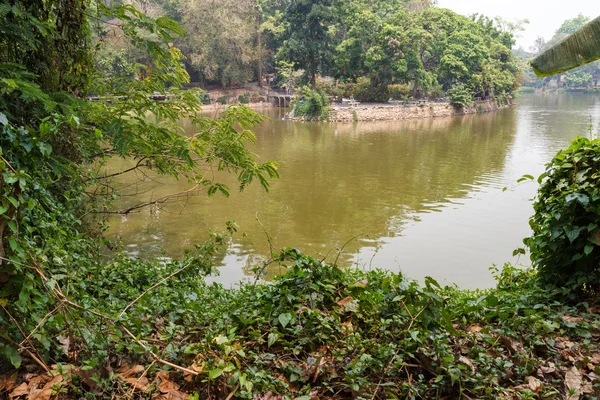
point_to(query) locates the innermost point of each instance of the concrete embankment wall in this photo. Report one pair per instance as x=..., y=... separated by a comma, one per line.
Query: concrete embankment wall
x=386, y=112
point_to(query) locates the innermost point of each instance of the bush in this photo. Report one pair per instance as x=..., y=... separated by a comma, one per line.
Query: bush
x=436, y=91
x=398, y=91
x=363, y=91
x=460, y=95
x=312, y=104
x=204, y=98
x=244, y=98
x=564, y=245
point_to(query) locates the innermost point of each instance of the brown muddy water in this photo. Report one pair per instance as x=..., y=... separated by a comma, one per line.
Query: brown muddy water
x=422, y=196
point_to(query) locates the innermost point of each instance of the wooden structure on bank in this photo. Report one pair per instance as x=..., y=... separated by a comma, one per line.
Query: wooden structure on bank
x=280, y=97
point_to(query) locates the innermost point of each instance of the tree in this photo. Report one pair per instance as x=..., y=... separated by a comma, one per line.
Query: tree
x=220, y=39
x=307, y=37
x=538, y=45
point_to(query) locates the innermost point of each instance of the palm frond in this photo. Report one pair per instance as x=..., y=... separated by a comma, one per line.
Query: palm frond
x=577, y=49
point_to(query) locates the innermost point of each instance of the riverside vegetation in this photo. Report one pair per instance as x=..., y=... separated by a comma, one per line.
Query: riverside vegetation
x=372, y=50
x=77, y=326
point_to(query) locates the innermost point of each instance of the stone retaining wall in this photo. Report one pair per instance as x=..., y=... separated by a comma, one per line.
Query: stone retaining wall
x=401, y=112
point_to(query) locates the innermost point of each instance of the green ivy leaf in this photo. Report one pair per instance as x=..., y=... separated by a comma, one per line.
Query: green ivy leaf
x=581, y=198
x=572, y=234
x=272, y=338
x=215, y=373
x=285, y=319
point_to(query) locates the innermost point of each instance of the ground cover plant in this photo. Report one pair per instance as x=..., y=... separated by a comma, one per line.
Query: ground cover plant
x=316, y=332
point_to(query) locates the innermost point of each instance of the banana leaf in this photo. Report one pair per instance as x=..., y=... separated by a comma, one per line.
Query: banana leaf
x=579, y=48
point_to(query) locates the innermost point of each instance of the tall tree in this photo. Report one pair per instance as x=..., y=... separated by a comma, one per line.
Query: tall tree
x=307, y=36
x=220, y=38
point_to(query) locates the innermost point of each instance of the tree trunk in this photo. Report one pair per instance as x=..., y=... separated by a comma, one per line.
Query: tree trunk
x=259, y=69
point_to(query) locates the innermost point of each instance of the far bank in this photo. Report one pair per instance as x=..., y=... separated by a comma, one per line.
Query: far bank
x=398, y=112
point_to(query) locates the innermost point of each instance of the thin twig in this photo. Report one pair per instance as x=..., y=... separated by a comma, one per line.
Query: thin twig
x=35, y=358
x=161, y=200
x=344, y=246
x=139, y=163
x=271, y=249
x=41, y=323
x=233, y=393
x=130, y=393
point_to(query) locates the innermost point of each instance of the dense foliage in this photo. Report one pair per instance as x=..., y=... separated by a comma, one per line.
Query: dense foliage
x=460, y=95
x=385, y=42
x=312, y=104
x=566, y=231
x=54, y=145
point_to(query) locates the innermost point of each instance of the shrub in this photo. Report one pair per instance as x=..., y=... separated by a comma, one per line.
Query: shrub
x=222, y=100
x=204, y=98
x=399, y=91
x=312, y=104
x=460, y=95
x=364, y=91
x=436, y=91
x=564, y=244
x=244, y=98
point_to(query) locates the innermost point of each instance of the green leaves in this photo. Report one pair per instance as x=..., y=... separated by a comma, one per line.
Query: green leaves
x=583, y=199
x=272, y=338
x=285, y=319
x=565, y=222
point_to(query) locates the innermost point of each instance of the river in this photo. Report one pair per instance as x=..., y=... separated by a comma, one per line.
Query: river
x=425, y=197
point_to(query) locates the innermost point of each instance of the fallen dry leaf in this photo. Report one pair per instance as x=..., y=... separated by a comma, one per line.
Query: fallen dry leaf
x=174, y=395
x=467, y=361
x=347, y=327
x=550, y=369
x=65, y=344
x=573, y=382
x=127, y=371
x=535, y=385
x=166, y=386
x=512, y=345
x=571, y=319
x=587, y=388
x=595, y=358
x=343, y=302
x=49, y=388
x=7, y=383
x=474, y=329
x=138, y=383
x=20, y=390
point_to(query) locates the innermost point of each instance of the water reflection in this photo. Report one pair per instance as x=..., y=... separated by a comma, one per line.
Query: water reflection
x=423, y=196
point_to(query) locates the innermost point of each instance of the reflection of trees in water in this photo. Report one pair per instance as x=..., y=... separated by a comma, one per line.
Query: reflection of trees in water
x=368, y=179
x=342, y=180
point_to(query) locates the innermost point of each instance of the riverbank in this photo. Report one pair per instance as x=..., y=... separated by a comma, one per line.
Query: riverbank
x=217, y=107
x=322, y=332
x=398, y=112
